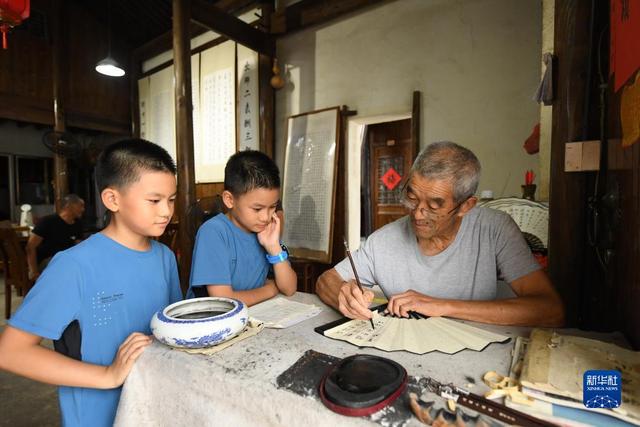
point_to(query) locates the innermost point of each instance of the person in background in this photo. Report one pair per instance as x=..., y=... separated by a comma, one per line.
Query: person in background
x=235, y=252
x=55, y=233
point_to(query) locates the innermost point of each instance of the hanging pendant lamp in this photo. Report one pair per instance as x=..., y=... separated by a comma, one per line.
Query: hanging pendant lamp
x=109, y=66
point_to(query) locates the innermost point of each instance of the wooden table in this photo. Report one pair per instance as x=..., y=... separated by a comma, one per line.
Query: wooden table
x=237, y=386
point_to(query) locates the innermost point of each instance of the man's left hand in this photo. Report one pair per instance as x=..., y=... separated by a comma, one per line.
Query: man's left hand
x=402, y=304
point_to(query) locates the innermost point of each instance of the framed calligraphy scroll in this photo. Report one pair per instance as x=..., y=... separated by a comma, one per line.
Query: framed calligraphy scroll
x=309, y=184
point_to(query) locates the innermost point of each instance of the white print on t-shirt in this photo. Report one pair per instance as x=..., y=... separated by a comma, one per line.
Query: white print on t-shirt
x=103, y=307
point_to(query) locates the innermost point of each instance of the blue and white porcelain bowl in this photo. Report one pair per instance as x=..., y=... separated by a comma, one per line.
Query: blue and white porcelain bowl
x=199, y=322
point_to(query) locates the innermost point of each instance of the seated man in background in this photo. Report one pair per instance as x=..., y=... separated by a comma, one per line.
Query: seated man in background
x=446, y=257
x=55, y=233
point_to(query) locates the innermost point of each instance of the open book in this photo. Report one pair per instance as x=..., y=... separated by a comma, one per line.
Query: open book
x=281, y=313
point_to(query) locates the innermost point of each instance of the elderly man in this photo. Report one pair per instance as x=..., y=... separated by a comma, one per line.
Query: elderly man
x=446, y=257
x=55, y=233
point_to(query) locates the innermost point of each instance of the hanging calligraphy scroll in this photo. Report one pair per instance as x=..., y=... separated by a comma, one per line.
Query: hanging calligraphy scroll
x=248, y=100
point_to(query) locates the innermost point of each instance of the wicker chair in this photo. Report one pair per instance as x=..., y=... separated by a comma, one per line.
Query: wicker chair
x=531, y=217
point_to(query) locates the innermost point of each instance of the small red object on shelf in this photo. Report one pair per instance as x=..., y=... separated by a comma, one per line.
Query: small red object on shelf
x=529, y=176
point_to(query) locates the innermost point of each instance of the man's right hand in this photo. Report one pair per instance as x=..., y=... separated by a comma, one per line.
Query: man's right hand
x=354, y=303
x=127, y=354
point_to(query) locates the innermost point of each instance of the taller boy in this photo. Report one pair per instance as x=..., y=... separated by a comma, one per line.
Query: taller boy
x=101, y=292
x=234, y=252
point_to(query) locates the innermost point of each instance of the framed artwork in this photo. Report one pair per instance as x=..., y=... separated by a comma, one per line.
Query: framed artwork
x=309, y=184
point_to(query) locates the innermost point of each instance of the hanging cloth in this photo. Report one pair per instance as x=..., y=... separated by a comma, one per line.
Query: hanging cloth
x=544, y=94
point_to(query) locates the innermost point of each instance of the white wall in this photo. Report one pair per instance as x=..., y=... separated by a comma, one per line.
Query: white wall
x=476, y=62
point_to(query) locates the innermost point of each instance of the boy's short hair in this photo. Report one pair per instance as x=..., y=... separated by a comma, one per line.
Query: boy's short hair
x=120, y=164
x=248, y=170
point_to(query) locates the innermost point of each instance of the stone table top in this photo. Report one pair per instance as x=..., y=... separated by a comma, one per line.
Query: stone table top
x=237, y=386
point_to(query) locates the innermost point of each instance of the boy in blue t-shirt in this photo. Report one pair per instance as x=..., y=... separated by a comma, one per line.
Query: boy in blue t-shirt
x=234, y=251
x=97, y=298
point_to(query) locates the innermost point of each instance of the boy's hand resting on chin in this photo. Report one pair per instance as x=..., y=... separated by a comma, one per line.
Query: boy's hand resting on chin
x=269, y=238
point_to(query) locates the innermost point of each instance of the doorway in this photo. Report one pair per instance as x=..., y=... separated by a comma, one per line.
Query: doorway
x=387, y=155
x=356, y=141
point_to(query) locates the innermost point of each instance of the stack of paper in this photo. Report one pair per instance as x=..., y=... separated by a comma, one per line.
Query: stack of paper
x=282, y=313
x=552, y=368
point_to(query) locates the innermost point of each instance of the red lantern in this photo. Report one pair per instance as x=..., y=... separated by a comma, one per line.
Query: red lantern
x=12, y=13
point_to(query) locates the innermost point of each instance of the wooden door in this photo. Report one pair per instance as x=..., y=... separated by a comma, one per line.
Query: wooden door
x=391, y=155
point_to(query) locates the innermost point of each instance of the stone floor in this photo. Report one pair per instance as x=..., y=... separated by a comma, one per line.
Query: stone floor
x=24, y=402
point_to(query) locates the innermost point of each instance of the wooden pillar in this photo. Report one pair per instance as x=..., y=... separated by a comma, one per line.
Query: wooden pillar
x=267, y=93
x=415, y=124
x=134, y=75
x=61, y=180
x=340, y=213
x=567, y=191
x=184, y=133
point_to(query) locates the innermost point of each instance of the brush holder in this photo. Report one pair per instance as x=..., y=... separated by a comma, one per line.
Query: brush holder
x=199, y=322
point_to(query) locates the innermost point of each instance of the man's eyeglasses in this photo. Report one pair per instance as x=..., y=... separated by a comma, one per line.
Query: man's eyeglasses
x=428, y=212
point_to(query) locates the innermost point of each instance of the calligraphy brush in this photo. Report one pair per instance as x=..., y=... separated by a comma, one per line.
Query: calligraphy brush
x=355, y=273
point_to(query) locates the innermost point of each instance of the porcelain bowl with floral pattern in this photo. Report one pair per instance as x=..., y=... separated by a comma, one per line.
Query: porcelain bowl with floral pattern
x=199, y=322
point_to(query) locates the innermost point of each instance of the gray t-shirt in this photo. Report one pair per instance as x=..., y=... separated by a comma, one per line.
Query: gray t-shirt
x=488, y=247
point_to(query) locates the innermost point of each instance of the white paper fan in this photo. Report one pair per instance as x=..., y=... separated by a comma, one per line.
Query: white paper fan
x=414, y=335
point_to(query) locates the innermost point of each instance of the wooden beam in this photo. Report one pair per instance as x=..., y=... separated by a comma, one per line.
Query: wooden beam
x=195, y=50
x=184, y=133
x=163, y=43
x=239, y=31
x=234, y=6
x=23, y=109
x=340, y=213
x=313, y=12
x=134, y=96
x=84, y=120
x=415, y=124
x=61, y=180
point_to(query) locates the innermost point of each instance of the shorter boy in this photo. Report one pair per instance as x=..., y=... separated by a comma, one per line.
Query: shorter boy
x=98, y=297
x=235, y=251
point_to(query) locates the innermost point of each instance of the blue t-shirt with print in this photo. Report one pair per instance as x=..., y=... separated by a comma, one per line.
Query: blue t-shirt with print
x=226, y=255
x=111, y=291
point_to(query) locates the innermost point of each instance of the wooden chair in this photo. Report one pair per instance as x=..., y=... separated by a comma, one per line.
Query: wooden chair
x=531, y=217
x=16, y=272
x=203, y=209
x=533, y=220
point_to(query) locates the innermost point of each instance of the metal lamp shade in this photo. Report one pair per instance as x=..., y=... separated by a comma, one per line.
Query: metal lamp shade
x=109, y=67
